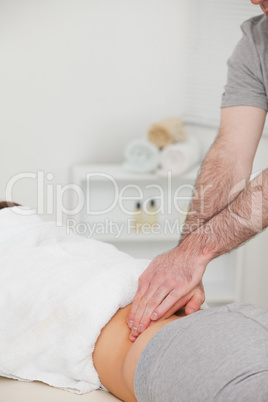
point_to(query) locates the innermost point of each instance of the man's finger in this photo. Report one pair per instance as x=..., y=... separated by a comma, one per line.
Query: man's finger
x=152, y=303
x=137, y=327
x=173, y=297
x=142, y=289
x=195, y=302
x=177, y=306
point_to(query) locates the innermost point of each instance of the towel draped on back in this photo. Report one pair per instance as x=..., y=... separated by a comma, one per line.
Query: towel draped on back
x=57, y=291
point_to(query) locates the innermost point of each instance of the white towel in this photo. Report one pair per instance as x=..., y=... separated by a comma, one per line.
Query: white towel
x=180, y=157
x=57, y=291
x=141, y=156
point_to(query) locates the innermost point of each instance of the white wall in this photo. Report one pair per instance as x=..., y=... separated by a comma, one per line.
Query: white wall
x=256, y=251
x=79, y=79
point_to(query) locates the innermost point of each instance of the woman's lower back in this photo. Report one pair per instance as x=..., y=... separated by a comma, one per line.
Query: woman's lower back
x=115, y=356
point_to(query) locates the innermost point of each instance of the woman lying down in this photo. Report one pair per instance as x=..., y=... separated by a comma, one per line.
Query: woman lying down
x=64, y=301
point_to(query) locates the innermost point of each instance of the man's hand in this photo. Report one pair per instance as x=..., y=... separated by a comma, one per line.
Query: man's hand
x=168, y=284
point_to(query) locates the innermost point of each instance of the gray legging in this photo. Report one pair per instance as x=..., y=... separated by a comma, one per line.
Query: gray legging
x=218, y=354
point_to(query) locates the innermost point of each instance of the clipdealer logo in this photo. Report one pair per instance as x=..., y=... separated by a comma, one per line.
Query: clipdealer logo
x=54, y=198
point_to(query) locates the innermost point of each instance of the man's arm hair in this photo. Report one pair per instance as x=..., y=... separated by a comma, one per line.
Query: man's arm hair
x=226, y=169
x=246, y=216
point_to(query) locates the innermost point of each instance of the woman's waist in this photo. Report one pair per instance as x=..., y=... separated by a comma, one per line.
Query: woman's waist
x=115, y=356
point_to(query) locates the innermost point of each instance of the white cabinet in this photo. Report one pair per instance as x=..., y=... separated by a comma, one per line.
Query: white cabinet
x=109, y=214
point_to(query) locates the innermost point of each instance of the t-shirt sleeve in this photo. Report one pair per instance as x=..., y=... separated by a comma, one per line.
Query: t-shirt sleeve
x=245, y=85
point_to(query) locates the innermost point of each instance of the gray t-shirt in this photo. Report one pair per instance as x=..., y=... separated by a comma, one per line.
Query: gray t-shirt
x=247, y=83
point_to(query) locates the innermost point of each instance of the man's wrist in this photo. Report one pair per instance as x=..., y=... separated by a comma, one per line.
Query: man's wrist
x=194, y=252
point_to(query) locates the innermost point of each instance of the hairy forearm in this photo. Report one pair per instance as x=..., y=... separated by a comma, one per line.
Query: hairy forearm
x=246, y=216
x=220, y=181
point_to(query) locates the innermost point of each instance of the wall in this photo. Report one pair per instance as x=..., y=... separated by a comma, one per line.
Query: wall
x=256, y=251
x=79, y=79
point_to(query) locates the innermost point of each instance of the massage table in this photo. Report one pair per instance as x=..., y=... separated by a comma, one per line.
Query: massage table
x=18, y=391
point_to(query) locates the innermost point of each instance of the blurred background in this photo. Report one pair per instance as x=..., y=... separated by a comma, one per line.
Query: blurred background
x=79, y=79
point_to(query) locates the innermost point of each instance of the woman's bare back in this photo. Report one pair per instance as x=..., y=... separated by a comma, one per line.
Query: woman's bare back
x=115, y=356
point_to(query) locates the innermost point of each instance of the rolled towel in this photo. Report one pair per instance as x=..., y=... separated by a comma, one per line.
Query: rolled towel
x=180, y=157
x=141, y=156
x=167, y=132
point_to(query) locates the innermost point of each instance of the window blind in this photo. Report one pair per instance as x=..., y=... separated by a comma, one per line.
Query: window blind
x=212, y=31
